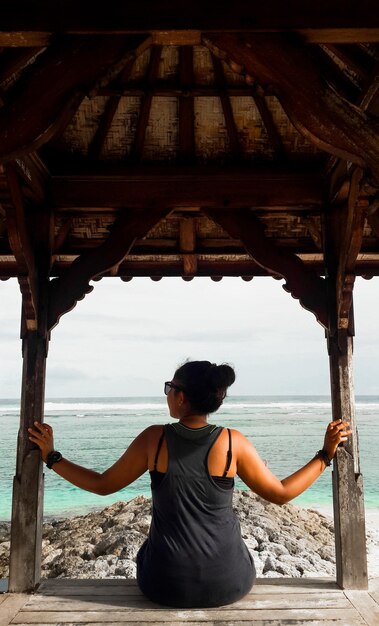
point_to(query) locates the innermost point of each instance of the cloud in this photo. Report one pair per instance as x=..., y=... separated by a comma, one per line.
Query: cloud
x=68, y=374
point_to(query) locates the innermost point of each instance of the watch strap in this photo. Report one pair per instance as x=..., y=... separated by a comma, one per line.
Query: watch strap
x=53, y=457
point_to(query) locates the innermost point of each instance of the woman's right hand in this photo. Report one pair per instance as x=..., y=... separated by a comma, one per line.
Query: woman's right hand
x=42, y=435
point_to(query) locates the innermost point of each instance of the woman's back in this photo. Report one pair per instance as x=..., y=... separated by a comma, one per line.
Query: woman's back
x=194, y=555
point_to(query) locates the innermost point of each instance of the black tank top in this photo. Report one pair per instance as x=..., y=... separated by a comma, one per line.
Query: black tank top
x=194, y=555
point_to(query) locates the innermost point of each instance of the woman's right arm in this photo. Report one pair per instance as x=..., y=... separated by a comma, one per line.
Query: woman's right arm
x=132, y=464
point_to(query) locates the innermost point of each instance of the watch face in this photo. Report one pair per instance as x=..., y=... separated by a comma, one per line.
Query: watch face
x=53, y=457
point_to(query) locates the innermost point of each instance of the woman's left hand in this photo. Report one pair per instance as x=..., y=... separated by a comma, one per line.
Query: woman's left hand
x=42, y=435
x=336, y=433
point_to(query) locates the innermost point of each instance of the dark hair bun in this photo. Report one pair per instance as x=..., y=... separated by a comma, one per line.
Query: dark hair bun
x=221, y=376
x=205, y=384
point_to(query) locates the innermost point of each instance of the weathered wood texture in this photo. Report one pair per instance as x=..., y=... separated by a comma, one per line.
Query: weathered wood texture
x=176, y=187
x=47, y=98
x=27, y=504
x=19, y=239
x=316, y=110
x=280, y=602
x=349, y=516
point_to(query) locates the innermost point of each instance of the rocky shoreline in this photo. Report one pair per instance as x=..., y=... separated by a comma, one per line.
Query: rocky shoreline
x=283, y=540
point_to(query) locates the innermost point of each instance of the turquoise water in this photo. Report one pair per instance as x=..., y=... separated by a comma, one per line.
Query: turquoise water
x=94, y=432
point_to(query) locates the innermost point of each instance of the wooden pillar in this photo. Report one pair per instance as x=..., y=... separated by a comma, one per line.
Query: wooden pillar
x=343, y=232
x=349, y=515
x=27, y=506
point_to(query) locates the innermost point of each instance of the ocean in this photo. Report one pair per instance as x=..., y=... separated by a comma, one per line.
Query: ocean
x=286, y=430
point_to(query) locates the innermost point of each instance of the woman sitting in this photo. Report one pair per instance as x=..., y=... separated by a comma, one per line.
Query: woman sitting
x=194, y=555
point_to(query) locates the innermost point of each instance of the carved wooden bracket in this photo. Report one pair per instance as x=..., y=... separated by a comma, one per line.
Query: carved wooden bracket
x=316, y=110
x=48, y=96
x=64, y=292
x=20, y=243
x=303, y=285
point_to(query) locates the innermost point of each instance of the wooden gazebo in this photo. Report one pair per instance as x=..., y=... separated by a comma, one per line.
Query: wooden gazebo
x=219, y=139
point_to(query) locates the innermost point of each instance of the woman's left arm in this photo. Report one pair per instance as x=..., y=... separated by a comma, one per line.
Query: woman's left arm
x=253, y=471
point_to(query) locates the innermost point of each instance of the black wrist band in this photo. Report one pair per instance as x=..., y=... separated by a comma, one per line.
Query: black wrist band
x=53, y=457
x=321, y=454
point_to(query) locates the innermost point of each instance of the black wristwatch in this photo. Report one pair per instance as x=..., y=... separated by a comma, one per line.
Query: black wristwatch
x=53, y=457
x=323, y=455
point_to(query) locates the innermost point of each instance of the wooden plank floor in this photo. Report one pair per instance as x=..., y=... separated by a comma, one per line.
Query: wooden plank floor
x=272, y=602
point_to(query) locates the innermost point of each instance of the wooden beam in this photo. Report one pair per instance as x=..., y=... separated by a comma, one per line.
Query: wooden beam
x=186, y=152
x=20, y=242
x=74, y=285
x=347, y=35
x=180, y=187
x=272, y=131
x=14, y=60
x=187, y=243
x=85, y=17
x=35, y=177
x=144, y=113
x=303, y=285
x=106, y=120
x=230, y=123
x=316, y=110
x=47, y=98
x=353, y=61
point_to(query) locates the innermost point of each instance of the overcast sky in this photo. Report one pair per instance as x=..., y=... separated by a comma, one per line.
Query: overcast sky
x=126, y=339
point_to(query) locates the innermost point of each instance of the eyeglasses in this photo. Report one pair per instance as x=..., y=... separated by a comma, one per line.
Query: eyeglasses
x=169, y=385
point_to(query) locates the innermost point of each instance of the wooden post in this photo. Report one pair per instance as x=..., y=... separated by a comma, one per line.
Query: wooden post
x=27, y=507
x=349, y=515
x=343, y=233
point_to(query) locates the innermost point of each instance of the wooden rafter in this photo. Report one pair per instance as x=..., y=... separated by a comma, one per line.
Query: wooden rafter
x=14, y=60
x=106, y=120
x=42, y=103
x=217, y=187
x=317, y=111
x=352, y=60
x=230, y=123
x=335, y=76
x=144, y=114
x=272, y=131
x=303, y=285
x=64, y=292
x=186, y=152
x=34, y=175
x=20, y=242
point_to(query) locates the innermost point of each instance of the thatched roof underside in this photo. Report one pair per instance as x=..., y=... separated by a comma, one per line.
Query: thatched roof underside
x=187, y=128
